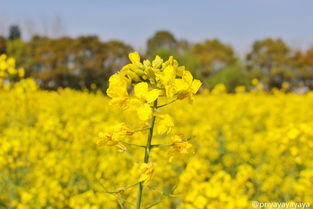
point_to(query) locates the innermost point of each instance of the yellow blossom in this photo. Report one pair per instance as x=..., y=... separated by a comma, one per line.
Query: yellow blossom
x=142, y=92
x=146, y=172
x=144, y=111
x=165, y=123
x=134, y=57
x=187, y=86
x=118, y=89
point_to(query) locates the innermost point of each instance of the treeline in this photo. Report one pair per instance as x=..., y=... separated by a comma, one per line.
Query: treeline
x=67, y=62
x=80, y=62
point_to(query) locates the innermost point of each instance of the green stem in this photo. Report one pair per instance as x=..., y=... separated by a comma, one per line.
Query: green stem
x=147, y=154
x=167, y=103
x=131, y=144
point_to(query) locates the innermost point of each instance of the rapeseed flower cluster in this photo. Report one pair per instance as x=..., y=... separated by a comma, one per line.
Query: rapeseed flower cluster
x=149, y=82
x=8, y=72
x=142, y=86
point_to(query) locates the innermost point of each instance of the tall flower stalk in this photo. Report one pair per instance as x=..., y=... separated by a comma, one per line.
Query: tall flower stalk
x=145, y=87
x=147, y=153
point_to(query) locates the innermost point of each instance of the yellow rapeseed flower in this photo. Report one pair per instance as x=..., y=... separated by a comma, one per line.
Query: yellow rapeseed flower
x=146, y=172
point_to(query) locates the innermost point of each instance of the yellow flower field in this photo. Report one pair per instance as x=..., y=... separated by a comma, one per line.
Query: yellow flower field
x=246, y=147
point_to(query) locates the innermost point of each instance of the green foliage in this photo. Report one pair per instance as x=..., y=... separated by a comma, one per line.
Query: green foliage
x=231, y=77
x=22, y=52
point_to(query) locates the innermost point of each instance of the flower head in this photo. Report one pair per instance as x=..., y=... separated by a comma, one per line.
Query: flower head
x=149, y=81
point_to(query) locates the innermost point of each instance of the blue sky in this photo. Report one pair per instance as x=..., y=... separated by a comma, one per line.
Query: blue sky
x=236, y=22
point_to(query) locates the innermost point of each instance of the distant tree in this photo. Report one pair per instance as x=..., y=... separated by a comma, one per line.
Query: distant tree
x=3, y=45
x=161, y=40
x=97, y=60
x=76, y=63
x=52, y=64
x=116, y=56
x=303, y=63
x=270, y=61
x=14, y=32
x=213, y=56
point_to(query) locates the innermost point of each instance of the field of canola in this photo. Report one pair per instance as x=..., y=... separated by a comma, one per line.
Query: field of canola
x=71, y=149
x=246, y=146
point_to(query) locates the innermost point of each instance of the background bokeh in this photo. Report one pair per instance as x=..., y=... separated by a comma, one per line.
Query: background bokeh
x=250, y=125
x=75, y=44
